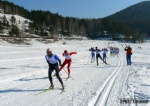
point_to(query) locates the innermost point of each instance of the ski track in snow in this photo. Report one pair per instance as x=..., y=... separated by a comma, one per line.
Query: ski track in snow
x=103, y=92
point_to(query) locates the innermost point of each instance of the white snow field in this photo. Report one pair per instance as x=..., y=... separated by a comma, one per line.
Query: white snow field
x=24, y=75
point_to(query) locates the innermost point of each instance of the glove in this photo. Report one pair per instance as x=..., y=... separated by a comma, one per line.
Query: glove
x=75, y=52
x=60, y=63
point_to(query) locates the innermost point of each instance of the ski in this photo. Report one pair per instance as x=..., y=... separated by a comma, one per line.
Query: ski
x=107, y=64
x=67, y=79
x=46, y=90
x=63, y=90
x=104, y=64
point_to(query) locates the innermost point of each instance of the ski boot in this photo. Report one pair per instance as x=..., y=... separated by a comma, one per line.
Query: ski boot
x=63, y=87
x=51, y=87
x=68, y=76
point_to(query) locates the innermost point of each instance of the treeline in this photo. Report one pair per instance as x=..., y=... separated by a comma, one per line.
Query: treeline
x=11, y=8
x=93, y=28
x=137, y=17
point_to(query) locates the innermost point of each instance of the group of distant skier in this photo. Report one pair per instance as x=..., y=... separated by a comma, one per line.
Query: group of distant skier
x=114, y=51
x=97, y=51
x=53, y=60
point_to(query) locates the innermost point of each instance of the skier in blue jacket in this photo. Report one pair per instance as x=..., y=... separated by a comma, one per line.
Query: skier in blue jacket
x=92, y=54
x=52, y=60
x=104, y=54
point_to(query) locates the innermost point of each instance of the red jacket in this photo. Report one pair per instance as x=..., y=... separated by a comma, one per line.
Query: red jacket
x=68, y=55
x=128, y=50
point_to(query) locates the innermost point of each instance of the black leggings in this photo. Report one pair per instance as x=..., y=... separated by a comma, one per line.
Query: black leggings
x=56, y=68
x=98, y=56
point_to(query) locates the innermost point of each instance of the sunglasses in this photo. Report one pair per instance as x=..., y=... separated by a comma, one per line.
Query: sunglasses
x=48, y=52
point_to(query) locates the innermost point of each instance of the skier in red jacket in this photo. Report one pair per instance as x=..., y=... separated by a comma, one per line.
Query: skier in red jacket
x=68, y=61
x=128, y=50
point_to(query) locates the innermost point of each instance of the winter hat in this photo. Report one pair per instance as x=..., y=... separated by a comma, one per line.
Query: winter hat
x=49, y=50
x=65, y=51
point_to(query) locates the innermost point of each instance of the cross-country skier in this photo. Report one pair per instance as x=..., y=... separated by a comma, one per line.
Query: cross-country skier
x=98, y=55
x=117, y=51
x=111, y=51
x=92, y=54
x=52, y=60
x=68, y=61
x=104, y=54
x=128, y=50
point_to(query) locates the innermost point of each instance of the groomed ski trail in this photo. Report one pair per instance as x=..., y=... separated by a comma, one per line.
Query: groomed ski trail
x=102, y=94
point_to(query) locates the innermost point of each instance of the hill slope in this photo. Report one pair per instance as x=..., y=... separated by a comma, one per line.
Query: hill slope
x=137, y=16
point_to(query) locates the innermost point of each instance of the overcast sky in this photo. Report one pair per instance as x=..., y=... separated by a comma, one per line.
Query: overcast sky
x=78, y=8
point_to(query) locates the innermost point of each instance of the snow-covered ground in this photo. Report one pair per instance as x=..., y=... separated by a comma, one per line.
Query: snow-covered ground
x=24, y=75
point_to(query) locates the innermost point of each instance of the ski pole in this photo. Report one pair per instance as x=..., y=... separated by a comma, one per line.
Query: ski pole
x=126, y=45
x=122, y=46
x=67, y=73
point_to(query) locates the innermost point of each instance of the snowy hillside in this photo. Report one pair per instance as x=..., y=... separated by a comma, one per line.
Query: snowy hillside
x=24, y=76
x=20, y=21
